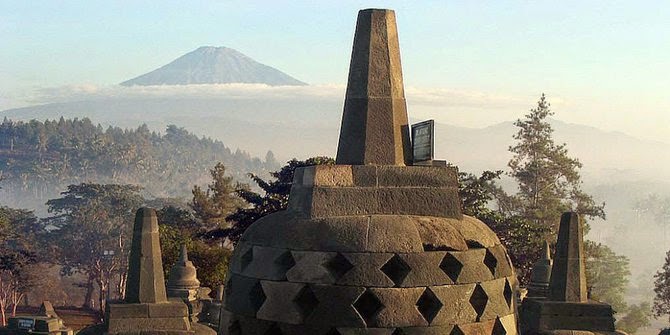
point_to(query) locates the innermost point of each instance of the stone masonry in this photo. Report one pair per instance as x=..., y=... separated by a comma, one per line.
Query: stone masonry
x=371, y=245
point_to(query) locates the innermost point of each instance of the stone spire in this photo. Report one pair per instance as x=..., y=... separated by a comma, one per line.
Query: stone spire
x=568, y=274
x=374, y=124
x=183, y=275
x=146, y=282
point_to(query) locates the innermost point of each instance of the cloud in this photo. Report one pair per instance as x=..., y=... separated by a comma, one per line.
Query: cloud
x=454, y=106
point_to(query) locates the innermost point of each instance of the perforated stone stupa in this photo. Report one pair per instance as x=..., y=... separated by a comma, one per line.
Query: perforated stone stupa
x=371, y=245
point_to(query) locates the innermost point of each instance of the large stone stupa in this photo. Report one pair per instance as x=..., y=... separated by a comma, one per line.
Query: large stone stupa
x=371, y=245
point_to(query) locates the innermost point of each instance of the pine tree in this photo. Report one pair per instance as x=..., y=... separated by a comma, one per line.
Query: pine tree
x=213, y=205
x=662, y=289
x=548, y=178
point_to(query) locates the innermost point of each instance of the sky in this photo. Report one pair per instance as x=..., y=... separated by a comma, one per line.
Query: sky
x=601, y=63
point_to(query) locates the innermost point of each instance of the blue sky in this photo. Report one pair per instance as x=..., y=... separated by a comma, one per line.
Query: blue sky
x=605, y=63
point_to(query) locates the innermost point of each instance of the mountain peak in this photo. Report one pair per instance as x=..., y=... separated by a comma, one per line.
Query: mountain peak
x=214, y=65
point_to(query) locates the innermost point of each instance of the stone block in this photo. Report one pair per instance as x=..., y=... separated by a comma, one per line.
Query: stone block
x=309, y=268
x=269, y=263
x=456, y=307
x=236, y=259
x=280, y=302
x=365, y=331
x=300, y=200
x=478, y=328
x=244, y=295
x=425, y=269
x=441, y=202
x=476, y=233
x=392, y=233
x=503, y=266
x=168, y=310
x=125, y=311
x=497, y=303
x=440, y=234
x=399, y=308
x=147, y=324
x=335, y=307
x=329, y=176
x=433, y=330
x=473, y=270
x=280, y=229
x=332, y=201
x=366, y=270
x=365, y=175
x=417, y=176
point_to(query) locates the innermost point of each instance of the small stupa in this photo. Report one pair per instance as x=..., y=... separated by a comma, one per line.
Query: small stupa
x=540, y=275
x=183, y=278
x=373, y=244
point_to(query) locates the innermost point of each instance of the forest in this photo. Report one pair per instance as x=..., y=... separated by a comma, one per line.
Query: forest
x=39, y=159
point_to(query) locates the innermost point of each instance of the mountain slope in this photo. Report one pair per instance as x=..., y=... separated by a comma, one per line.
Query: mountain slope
x=214, y=65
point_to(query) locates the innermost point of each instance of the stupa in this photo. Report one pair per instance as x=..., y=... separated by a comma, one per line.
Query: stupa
x=183, y=280
x=372, y=244
x=567, y=309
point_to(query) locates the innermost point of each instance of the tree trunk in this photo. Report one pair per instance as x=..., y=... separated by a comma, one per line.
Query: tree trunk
x=3, y=319
x=88, y=299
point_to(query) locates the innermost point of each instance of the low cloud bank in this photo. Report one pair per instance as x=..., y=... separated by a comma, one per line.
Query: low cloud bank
x=459, y=107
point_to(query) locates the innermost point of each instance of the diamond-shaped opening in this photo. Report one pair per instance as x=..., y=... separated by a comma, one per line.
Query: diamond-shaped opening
x=333, y=331
x=508, y=293
x=246, y=259
x=306, y=301
x=498, y=328
x=456, y=331
x=274, y=330
x=490, y=261
x=398, y=331
x=478, y=300
x=285, y=262
x=338, y=266
x=368, y=306
x=396, y=269
x=257, y=296
x=235, y=328
x=451, y=266
x=428, y=305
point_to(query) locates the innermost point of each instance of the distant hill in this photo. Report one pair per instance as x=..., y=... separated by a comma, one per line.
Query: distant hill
x=302, y=128
x=214, y=65
x=39, y=159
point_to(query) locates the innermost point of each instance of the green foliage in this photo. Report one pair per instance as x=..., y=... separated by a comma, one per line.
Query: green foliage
x=607, y=275
x=179, y=226
x=638, y=316
x=275, y=197
x=662, y=289
x=89, y=219
x=213, y=205
x=522, y=238
x=39, y=159
x=548, y=179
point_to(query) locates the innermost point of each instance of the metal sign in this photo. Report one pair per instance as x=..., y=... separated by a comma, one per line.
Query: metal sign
x=26, y=323
x=423, y=140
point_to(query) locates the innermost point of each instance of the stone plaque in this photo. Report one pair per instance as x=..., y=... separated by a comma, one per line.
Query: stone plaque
x=423, y=137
